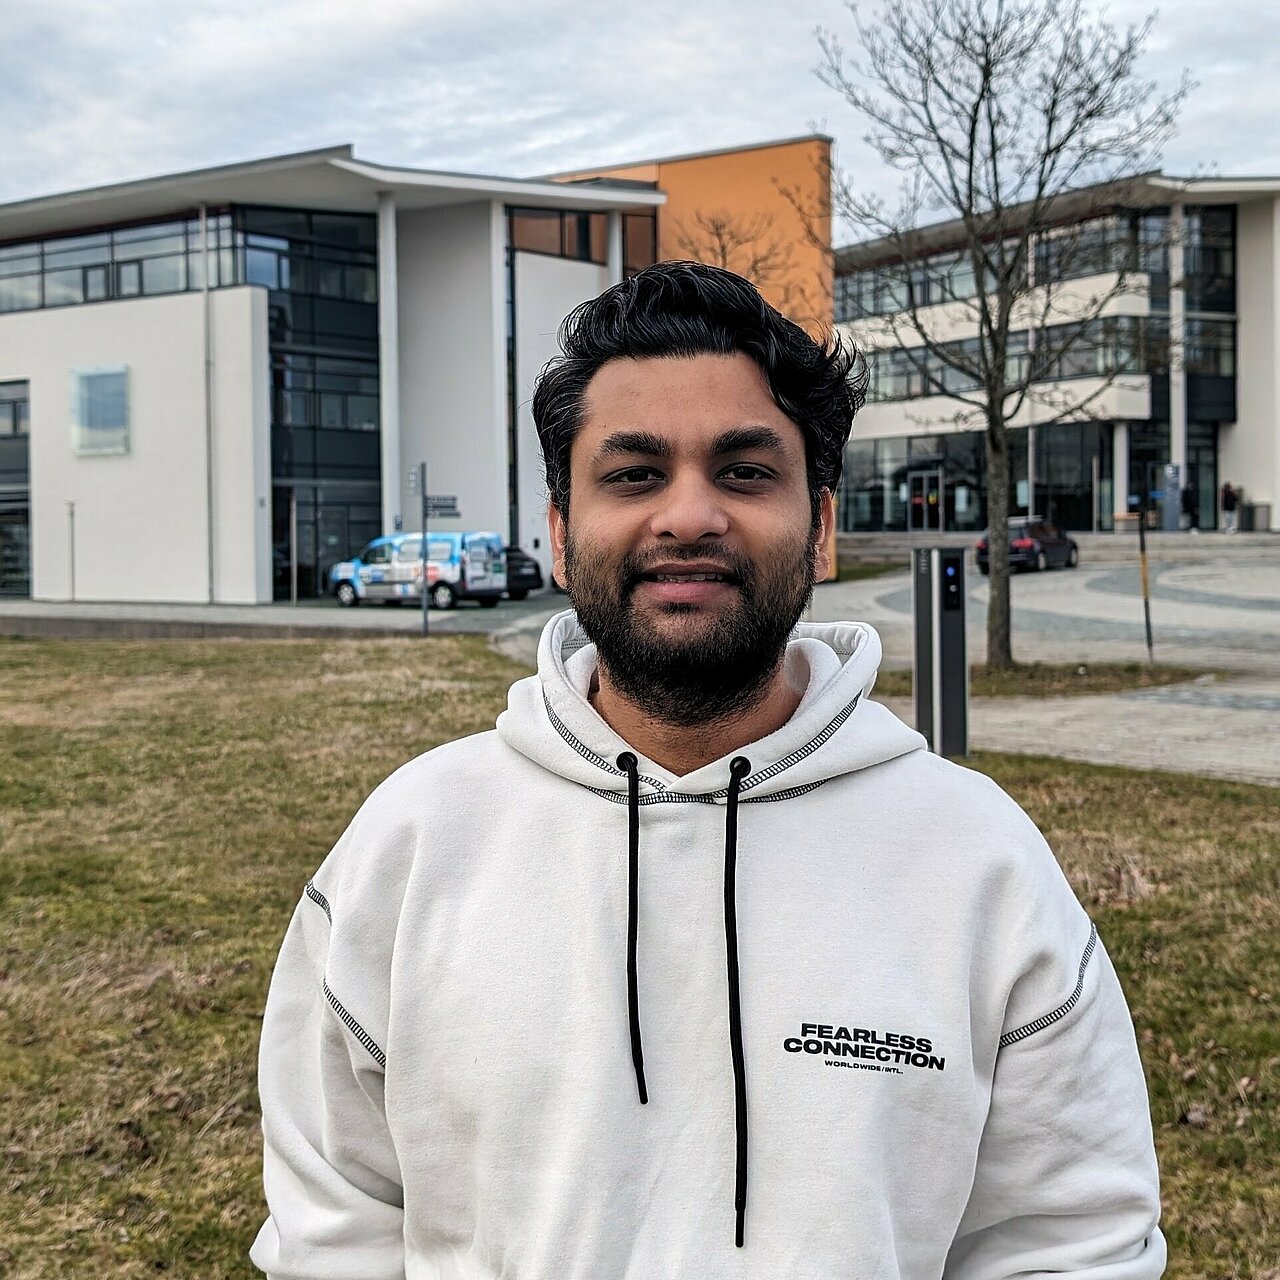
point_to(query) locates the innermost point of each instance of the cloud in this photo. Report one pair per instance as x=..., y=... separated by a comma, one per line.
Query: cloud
x=104, y=93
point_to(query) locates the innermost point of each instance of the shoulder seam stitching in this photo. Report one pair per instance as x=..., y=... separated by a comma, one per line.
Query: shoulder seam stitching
x=365, y=1039
x=1048, y=1019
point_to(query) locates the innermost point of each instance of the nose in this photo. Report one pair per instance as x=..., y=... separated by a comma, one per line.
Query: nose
x=690, y=509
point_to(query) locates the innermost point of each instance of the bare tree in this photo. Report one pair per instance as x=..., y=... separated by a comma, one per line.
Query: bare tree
x=749, y=245
x=1023, y=130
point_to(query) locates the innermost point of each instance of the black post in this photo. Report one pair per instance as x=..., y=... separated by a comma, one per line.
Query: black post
x=1146, y=585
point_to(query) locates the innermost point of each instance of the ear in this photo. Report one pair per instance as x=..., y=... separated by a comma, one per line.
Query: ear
x=824, y=534
x=558, y=531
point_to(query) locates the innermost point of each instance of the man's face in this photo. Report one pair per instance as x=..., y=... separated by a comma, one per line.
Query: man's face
x=689, y=552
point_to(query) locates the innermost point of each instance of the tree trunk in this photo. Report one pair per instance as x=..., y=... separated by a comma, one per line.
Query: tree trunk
x=999, y=644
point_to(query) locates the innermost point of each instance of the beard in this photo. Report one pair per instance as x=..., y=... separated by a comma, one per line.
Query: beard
x=717, y=661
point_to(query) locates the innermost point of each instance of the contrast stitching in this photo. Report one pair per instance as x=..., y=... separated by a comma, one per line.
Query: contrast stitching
x=355, y=1028
x=347, y=1020
x=654, y=797
x=585, y=751
x=789, y=794
x=1012, y=1037
x=778, y=766
x=710, y=797
x=319, y=899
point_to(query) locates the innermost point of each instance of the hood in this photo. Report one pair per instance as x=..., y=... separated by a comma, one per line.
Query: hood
x=835, y=730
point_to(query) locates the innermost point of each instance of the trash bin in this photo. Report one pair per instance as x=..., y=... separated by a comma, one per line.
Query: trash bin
x=1255, y=517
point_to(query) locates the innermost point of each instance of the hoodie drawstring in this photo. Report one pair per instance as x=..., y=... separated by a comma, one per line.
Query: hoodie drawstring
x=631, y=766
x=739, y=767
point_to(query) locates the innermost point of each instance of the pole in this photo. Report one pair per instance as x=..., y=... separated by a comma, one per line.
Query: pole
x=71, y=545
x=1146, y=585
x=422, y=490
x=208, y=398
x=293, y=546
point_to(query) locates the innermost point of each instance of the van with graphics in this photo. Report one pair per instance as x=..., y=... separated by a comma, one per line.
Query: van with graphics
x=460, y=566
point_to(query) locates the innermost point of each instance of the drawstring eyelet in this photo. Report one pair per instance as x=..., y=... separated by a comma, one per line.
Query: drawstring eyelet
x=626, y=761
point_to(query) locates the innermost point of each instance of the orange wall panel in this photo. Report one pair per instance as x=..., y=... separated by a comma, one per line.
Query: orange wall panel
x=763, y=211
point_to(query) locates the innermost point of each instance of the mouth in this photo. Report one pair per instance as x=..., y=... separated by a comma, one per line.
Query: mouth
x=687, y=577
x=674, y=584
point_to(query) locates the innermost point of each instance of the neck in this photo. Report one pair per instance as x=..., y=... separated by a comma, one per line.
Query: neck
x=681, y=748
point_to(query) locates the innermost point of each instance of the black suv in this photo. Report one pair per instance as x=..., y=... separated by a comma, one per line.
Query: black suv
x=1033, y=544
x=523, y=573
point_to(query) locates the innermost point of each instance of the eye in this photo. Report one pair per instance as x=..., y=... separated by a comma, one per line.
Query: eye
x=632, y=477
x=746, y=473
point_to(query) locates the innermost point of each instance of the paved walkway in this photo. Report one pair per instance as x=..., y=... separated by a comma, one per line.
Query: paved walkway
x=1223, y=616
x=1220, y=614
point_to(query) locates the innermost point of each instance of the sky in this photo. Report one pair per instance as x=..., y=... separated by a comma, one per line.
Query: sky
x=95, y=93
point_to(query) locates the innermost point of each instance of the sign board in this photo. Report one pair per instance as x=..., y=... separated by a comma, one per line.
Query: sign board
x=443, y=506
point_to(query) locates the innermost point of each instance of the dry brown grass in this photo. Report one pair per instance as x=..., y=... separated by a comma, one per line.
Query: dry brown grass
x=161, y=803
x=1049, y=680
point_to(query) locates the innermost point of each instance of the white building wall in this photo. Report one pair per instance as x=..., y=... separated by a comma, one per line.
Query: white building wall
x=241, y=446
x=453, y=412
x=1122, y=399
x=141, y=518
x=547, y=289
x=1249, y=448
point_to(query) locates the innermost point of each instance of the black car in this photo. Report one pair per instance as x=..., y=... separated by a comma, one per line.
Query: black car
x=1033, y=544
x=523, y=573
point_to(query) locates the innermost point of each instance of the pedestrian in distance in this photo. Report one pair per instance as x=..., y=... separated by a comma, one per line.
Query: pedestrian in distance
x=1191, y=508
x=1230, y=503
x=699, y=965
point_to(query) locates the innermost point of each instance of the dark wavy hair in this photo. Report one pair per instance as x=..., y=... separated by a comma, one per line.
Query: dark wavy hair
x=682, y=309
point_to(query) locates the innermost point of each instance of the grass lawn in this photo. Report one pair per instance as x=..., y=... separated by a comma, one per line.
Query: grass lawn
x=162, y=803
x=849, y=572
x=1045, y=680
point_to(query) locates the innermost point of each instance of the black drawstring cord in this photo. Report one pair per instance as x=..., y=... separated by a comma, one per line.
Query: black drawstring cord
x=739, y=767
x=628, y=762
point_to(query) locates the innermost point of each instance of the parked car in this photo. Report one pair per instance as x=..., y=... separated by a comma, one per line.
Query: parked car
x=523, y=573
x=460, y=566
x=1033, y=544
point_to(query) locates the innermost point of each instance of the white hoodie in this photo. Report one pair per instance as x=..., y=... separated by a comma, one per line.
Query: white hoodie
x=938, y=1073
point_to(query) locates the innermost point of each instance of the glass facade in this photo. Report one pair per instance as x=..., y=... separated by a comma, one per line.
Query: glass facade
x=1108, y=345
x=320, y=270
x=892, y=485
x=120, y=262
x=923, y=484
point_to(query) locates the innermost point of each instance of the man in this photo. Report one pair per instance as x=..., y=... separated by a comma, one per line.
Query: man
x=716, y=972
x=1230, y=501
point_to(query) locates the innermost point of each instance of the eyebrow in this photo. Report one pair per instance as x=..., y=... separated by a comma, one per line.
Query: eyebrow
x=744, y=439
x=633, y=442
x=650, y=445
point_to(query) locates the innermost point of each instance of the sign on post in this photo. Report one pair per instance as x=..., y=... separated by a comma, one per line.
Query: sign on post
x=442, y=506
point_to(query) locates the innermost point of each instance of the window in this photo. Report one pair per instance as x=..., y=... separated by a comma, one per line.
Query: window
x=15, y=409
x=1211, y=348
x=560, y=233
x=100, y=410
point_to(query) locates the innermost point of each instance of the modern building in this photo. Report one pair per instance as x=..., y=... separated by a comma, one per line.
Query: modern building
x=1174, y=385
x=763, y=210
x=215, y=384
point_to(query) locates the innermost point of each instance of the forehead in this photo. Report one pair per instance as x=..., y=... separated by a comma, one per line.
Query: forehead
x=687, y=400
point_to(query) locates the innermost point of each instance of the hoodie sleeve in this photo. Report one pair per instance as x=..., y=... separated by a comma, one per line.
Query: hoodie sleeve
x=330, y=1169
x=1066, y=1180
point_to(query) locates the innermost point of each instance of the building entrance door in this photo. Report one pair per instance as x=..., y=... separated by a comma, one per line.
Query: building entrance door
x=925, y=501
